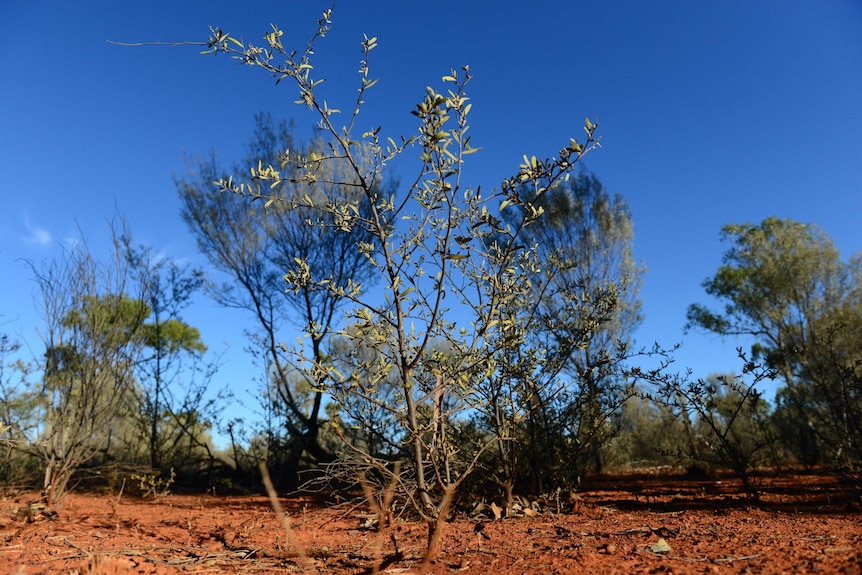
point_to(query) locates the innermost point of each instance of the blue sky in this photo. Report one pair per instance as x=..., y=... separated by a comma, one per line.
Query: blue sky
x=710, y=112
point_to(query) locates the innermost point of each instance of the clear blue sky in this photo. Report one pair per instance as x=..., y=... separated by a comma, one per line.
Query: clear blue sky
x=710, y=112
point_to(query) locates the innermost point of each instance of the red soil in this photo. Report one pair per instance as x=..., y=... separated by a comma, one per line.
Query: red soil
x=800, y=524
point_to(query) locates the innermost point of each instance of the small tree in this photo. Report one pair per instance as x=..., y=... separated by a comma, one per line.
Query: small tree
x=590, y=233
x=783, y=283
x=729, y=417
x=172, y=382
x=436, y=247
x=255, y=248
x=92, y=344
x=559, y=376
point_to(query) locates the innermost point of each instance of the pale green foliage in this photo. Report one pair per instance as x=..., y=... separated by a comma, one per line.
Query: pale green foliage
x=258, y=248
x=438, y=248
x=91, y=342
x=153, y=485
x=19, y=414
x=559, y=374
x=648, y=435
x=365, y=410
x=783, y=283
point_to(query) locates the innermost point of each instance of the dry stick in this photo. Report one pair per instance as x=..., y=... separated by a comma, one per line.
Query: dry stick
x=384, y=516
x=709, y=559
x=122, y=487
x=273, y=499
x=741, y=558
x=378, y=510
x=76, y=546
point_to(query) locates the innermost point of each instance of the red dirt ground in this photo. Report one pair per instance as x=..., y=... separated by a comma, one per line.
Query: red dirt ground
x=801, y=524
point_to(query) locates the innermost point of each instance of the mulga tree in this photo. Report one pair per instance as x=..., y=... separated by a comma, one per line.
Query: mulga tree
x=256, y=247
x=92, y=337
x=436, y=246
x=173, y=379
x=725, y=417
x=783, y=284
x=588, y=235
x=561, y=376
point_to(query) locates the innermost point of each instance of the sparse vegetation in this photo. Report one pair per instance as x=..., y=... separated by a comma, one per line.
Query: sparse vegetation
x=460, y=350
x=153, y=484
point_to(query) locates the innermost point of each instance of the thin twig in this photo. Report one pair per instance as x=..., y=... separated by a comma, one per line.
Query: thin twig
x=276, y=505
x=708, y=559
x=382, y=509
x=171, y=44
x=741, y=558
x=75, y=545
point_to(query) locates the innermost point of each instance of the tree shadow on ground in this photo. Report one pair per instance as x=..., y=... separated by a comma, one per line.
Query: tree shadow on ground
x=796, y=492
